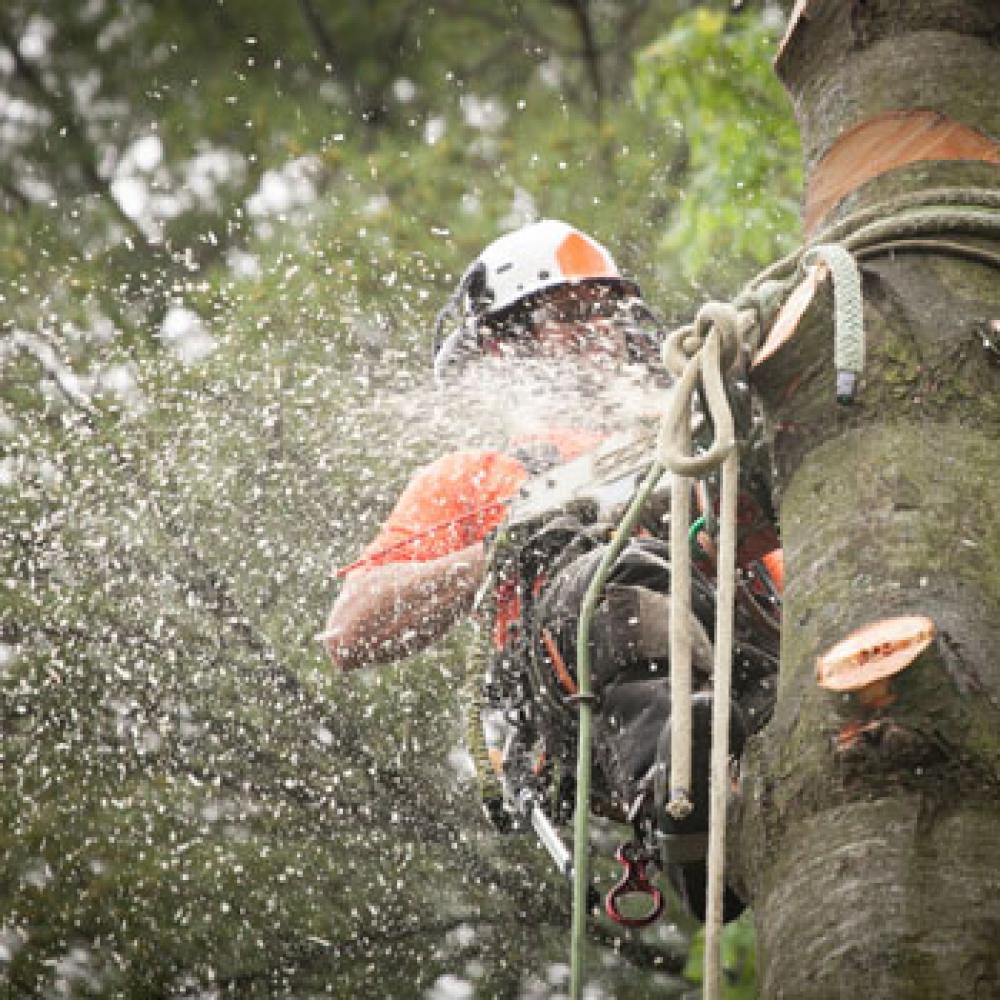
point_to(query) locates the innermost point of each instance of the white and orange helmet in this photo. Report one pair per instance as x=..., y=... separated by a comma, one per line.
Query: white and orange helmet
x=534, y=259
x=513, y=270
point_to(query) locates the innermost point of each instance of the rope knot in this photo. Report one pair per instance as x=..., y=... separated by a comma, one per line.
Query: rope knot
x=694, y=355
x=685, y=343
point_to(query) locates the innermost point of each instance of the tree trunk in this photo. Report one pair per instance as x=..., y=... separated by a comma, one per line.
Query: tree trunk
x=870, y=852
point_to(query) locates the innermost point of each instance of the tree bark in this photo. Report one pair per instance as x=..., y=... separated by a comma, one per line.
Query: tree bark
x=870, y=855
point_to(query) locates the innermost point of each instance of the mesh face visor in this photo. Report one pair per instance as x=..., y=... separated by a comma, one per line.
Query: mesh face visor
x=596, y=305
x=580, y=303
x=589, y=305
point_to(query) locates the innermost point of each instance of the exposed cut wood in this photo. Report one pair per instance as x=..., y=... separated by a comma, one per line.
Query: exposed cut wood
x=885, y=143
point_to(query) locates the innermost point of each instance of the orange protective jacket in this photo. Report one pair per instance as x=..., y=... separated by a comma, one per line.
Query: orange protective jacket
x=458, y=500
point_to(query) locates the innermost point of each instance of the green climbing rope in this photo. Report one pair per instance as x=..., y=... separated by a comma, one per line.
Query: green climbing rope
x=581, y=873
x=697, y=526
x=949, y=209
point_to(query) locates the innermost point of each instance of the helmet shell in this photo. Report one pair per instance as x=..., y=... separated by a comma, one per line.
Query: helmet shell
x=534, y=258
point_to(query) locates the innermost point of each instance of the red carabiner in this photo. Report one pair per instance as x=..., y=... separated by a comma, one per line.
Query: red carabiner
x=632, y=882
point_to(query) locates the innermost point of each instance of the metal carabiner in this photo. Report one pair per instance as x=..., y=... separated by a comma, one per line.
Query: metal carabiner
x=633, y=882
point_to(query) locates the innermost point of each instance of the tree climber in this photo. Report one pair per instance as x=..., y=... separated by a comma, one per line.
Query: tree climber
x=550, y=291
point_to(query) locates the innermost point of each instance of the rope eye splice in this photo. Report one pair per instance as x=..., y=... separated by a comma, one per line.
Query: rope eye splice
x=849, y=330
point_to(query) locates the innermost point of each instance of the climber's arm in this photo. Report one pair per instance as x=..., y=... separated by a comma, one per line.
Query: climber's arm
x=390, y=611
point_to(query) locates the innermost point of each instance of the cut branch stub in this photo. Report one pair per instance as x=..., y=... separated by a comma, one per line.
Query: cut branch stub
x=787, y=320
x=865, y=661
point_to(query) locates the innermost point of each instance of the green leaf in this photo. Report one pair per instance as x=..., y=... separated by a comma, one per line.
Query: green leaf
x=738, y=950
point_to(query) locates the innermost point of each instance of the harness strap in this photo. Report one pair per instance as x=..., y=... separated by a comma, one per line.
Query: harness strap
x=558, y=664
x=681, y=848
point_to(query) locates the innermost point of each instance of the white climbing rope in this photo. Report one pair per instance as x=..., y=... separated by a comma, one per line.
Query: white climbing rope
x=721, y=700
x=695, y=355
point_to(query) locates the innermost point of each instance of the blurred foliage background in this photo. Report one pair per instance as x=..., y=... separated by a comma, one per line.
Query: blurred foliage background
x=226, y=228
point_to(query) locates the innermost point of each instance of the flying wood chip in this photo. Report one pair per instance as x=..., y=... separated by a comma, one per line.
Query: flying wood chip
x=866, y=660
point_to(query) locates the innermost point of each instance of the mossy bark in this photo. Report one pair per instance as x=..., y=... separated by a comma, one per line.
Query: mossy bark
x=870, y=857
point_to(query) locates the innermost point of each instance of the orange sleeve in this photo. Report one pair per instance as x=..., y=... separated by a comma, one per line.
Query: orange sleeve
x=446, y=506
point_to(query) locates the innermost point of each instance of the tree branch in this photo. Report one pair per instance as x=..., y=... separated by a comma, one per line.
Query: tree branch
x=317, y=27
x=44, y=353
x=73, y=128
x=580, y=9
x=370, y=99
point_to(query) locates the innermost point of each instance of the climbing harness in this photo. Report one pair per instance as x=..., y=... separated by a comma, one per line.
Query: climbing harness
x=521, y=696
